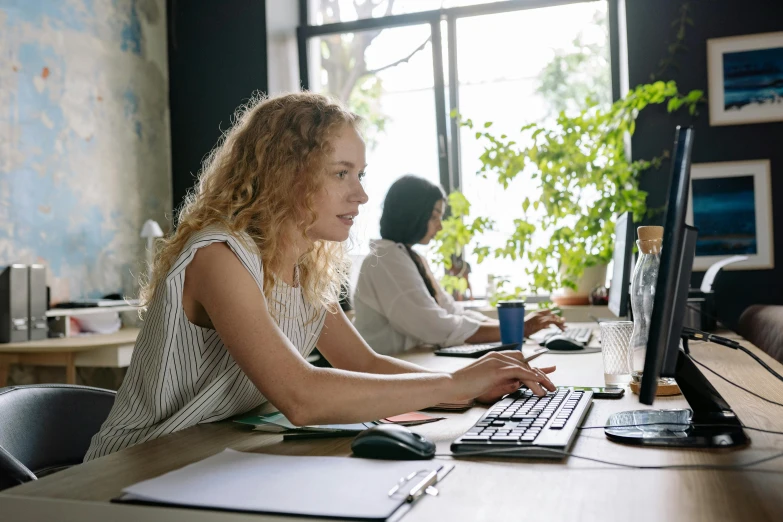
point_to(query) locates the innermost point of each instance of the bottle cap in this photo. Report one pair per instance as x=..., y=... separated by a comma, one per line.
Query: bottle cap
x=511, y=304
x=650, y=239
x=649, y=233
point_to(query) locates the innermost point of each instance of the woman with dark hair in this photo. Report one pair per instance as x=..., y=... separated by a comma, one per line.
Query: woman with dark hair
x=398, y=303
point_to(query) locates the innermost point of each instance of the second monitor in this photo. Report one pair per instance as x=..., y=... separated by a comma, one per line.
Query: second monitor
x=622, y=261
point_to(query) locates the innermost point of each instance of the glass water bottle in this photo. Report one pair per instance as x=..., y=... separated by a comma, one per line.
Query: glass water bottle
x=645, y=276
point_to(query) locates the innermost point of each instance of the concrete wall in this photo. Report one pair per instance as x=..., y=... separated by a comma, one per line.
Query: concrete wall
x=84, y=139
x=84, y=147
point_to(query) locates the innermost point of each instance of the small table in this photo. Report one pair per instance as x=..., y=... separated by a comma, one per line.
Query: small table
x=107, y=350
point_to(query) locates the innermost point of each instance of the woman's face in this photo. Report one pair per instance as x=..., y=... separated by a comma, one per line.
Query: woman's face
x=337, y=204
x=435, y=224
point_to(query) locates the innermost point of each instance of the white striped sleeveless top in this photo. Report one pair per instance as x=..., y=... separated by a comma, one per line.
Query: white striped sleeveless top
x=181, y=374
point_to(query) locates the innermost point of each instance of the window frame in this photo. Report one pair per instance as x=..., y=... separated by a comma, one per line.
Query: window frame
x=447, y=128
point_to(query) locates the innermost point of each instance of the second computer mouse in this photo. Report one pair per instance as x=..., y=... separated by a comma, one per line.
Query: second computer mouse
x=563, y=344
x=392, y=442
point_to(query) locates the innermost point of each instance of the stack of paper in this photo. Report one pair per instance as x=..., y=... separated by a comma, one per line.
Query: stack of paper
x=278, y=423
x=453, y=406
x=410, y=419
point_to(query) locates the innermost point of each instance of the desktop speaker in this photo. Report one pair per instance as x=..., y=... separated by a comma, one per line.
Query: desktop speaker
x=13, y=304
x=37, y=302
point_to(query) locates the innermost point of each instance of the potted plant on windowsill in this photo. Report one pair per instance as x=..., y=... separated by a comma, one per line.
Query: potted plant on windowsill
x=581, y=180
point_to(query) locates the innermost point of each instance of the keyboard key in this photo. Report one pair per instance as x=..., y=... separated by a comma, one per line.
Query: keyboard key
x=505, y=438
x=524, y=417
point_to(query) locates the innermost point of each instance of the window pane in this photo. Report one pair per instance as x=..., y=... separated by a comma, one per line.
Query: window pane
x=331, y=11
x=386, y=76
x=515, y=68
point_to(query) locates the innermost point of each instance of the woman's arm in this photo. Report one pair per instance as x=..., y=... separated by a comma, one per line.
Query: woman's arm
x=488, y=332
x=344, y=348
x=217, y=281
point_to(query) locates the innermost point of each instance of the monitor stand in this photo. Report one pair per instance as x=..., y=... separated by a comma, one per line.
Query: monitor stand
x=710, y=423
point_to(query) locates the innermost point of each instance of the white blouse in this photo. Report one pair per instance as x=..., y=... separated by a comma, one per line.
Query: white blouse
x=395, y=311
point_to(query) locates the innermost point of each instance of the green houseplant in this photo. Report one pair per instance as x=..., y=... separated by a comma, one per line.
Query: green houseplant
x=582, y=179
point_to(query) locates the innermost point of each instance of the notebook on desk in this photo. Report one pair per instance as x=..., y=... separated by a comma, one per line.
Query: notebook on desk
x=336, y=487
x=276, y=422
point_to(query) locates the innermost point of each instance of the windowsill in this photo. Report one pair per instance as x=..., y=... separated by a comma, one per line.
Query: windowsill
x=481, y=303
x=571, y=313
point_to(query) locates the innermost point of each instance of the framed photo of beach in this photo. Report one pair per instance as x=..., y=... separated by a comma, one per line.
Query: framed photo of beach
x=745, y=79
x=731, y=205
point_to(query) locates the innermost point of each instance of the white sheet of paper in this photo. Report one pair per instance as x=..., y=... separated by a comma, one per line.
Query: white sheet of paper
x=316, y=486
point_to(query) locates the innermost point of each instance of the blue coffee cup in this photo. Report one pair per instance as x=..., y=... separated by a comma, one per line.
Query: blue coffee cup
x=511, y=315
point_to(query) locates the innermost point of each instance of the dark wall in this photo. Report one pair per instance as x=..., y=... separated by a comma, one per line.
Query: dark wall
x=650, y=30
x=217, y=59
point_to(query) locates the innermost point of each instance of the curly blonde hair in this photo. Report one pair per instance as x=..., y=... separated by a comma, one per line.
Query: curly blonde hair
x=263, y=176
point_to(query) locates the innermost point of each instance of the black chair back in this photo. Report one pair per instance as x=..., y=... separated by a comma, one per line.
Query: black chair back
x=47, y=427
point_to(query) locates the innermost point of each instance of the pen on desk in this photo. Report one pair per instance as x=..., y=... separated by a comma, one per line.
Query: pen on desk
x=319, y=435
x=423, y=486
x=536, y=354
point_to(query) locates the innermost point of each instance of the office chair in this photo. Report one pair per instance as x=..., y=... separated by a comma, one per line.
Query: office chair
x=763, y=326
x=47, y=427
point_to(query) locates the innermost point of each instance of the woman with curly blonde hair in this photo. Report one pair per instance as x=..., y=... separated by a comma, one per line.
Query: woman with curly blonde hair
x=248, y=285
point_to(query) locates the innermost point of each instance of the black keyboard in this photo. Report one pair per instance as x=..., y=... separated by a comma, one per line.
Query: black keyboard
x=525, y=420
x=474, y=350
x=581, y=335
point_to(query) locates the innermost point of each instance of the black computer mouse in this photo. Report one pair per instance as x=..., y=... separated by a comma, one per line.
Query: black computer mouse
x=392, y=442
x=563, y=343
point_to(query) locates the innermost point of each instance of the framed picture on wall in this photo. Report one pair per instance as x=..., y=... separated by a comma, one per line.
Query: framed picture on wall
x=731, y=205
x=745, y=79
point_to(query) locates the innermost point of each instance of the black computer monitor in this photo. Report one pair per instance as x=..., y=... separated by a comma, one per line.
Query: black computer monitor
x=710, y=421
x=623, y=265
x=674, y=272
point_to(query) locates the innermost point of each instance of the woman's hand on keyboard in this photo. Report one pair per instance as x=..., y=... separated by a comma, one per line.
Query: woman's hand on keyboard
x=499, y=373
x=540, y=320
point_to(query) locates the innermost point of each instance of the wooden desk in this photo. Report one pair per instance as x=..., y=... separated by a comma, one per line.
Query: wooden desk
x=112, y=350
x=487, y=488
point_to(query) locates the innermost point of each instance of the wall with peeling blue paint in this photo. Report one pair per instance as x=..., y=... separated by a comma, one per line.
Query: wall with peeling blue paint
x=84, y=139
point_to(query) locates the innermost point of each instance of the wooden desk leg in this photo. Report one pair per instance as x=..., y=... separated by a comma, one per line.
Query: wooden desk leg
x=70, y=368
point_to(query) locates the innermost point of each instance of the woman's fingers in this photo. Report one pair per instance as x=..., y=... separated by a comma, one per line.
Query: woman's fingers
x=528, y=376
x=512, y=368
x=552, y=320
x=514, y=357
x=518, y=357
x=535, y=388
